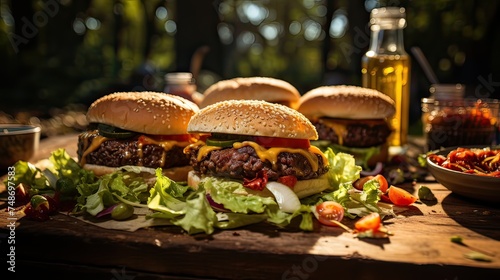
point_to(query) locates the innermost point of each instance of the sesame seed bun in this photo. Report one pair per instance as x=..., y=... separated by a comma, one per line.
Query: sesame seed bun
x=145, y=112
x=252, y=117
x=349, y=102
x=253, y=88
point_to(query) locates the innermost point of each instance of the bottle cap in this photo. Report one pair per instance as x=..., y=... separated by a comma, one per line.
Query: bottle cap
x=388, y=17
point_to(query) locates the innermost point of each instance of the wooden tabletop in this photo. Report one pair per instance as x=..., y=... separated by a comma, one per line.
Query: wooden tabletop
x=420, y=248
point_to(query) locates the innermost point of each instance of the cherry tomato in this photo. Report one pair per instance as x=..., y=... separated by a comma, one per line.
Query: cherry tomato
x=385, y=198
x=384, y=185
x=401, y=197
x=282, y=142
x=358, y=184
x=371, y=221
x=288, y=180
x=328, y=212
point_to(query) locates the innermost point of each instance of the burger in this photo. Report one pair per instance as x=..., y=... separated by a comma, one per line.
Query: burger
x=252, y=88
x=147, y=130
x=351, y=120
x=253, y=143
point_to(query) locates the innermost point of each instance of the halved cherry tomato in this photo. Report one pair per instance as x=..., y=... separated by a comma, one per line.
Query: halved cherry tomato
x=282, y=142
x=358, y=184
x=401, y=197
x=328, y=212
x=288, y=180
x=371, y=221
x=384, y=185
x=385, y=198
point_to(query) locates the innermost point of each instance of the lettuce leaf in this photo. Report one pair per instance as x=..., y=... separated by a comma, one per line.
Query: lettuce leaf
x=342, y=168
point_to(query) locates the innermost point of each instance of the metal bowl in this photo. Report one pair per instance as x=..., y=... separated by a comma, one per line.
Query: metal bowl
x=483, y=188
x=17, y=142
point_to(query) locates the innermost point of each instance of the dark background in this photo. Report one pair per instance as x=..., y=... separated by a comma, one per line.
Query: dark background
x=59, y=55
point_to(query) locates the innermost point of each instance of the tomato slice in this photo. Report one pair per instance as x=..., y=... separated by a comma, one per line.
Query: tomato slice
x=401, y=197
x=329, y=213
x=358, y=184
x=177, y=137
x=371, y=221
x=282, y=142
x=288, y=180
x=150, y=139
x=384, y=185
x=382, y=181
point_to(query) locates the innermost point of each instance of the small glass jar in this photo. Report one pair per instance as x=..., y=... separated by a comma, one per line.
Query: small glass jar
x=449, y=120
x=439, y=93
x=181, y=84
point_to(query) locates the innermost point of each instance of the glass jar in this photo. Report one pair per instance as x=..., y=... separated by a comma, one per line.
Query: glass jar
x=181, y=84
x=459, y=122
x=386, y=67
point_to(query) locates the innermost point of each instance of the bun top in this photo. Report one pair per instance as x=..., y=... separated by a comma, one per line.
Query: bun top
x=145, y=112
x=252, y=117
x=348, y=102
x=253, y=88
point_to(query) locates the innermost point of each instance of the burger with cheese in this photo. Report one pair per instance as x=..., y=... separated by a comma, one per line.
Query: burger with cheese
x=252, y=88
x=252, y=143
x=351, y=120
x=142, y=129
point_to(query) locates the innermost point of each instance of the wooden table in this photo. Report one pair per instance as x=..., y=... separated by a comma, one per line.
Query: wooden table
x=66, y=248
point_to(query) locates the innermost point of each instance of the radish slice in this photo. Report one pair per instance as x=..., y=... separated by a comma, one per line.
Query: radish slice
x=287, y=200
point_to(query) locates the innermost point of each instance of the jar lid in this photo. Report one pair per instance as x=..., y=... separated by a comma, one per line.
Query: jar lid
x=179, y=78
x=447, y=91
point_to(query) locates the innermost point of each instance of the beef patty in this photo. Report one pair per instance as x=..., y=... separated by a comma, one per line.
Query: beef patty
x=244, y=163
x=120, y=152
x=357, y=133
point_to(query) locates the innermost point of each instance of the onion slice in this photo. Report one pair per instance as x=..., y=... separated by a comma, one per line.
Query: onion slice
x=216, y=206
x=377, y=170
x=287, y=200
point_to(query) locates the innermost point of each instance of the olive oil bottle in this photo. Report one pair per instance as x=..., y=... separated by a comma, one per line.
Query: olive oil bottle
x=386, y=67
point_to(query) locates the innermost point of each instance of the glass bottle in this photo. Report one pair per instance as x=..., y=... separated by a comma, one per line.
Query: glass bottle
x=386, y=67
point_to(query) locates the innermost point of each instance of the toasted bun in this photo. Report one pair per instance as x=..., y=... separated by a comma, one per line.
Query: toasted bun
x=252, y=117
x=145, y=112
x=253, y=88
x=302, y=188
x=349, y=102
x=178, y=174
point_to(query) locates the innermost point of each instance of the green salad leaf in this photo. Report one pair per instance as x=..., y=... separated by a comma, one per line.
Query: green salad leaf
x=191, y=208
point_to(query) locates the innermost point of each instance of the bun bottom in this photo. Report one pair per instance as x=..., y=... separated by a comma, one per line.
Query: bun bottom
x=178, y=174
x=302, y=188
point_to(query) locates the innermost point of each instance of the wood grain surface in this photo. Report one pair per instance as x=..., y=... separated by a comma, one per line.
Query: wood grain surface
x=420, y=247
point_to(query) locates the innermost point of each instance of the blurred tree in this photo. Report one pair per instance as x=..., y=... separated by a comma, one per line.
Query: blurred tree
x=56, y=52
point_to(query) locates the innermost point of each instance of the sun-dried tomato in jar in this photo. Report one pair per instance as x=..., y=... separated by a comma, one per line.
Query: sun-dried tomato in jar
x=462, y=122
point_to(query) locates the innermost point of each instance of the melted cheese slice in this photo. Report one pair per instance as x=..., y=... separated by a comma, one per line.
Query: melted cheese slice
x=340, y=128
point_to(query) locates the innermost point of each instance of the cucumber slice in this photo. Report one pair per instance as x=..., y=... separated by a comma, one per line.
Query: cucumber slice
x=226, y=140
x=110, y=131
x=221, y=143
